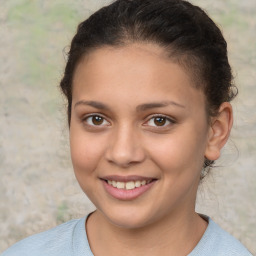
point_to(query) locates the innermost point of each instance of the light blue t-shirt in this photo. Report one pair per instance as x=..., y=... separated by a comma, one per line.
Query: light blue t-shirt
x=70, y=239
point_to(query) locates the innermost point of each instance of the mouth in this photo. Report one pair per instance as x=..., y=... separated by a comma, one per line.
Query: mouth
x=127, y=188
x=129, y=184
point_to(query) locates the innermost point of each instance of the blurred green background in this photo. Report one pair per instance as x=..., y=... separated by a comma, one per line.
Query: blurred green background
x=37, y=186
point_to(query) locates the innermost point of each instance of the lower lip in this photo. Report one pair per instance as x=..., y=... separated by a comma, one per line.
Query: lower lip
x=125, y=194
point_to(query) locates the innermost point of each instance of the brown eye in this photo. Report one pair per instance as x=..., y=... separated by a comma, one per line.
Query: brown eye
x=160, y=121
x=95, y=120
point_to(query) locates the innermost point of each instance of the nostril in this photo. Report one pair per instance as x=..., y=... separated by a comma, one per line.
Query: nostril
x=125, y=148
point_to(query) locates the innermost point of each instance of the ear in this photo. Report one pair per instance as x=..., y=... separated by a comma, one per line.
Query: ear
x=219, y=131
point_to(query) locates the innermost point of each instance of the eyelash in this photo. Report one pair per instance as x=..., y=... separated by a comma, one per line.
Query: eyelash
x=166, y=119
x=86, y=118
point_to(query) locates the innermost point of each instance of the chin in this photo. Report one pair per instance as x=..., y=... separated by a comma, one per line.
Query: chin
x=128, y=218
x=128, y=223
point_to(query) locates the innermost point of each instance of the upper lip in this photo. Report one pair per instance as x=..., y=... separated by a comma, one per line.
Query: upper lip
x=127, y=178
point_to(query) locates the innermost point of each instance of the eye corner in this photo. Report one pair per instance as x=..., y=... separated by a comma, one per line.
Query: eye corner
x=164, y=121
x=95, y=120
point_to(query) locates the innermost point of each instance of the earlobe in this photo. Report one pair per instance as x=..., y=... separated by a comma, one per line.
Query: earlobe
x=219, y=131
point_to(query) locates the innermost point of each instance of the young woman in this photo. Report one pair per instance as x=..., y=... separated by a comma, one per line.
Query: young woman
x=148, y=85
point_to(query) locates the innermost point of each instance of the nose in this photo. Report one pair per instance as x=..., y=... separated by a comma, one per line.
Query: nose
x=125, y=148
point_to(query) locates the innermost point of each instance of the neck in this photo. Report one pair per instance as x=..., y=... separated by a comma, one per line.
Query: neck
x=173, y=235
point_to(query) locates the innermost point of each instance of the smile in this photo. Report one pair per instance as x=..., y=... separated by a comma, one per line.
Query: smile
x=128, y=185
x=127, y=188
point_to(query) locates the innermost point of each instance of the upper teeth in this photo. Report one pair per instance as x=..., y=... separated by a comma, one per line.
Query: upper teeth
x=128, y=185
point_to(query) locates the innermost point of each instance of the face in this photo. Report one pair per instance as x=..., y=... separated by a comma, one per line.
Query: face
x=138, y=134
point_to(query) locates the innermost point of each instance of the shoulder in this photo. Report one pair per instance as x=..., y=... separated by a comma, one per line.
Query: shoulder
x=217, y=241
x=56, y=241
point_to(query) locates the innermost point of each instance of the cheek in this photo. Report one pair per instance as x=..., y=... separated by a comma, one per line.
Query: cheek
x=86, y=152
x=183, y=152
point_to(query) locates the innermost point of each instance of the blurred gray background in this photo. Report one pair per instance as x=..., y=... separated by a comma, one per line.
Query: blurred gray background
x=37, y=187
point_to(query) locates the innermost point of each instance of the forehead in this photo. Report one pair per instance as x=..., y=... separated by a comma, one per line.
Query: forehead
x=135, y=70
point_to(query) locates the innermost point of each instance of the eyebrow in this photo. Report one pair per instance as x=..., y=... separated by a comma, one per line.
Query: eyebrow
x=94, y=104
x=139, y=108
x=146, y=106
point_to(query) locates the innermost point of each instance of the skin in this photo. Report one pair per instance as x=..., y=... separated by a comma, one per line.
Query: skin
x=129, y=141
